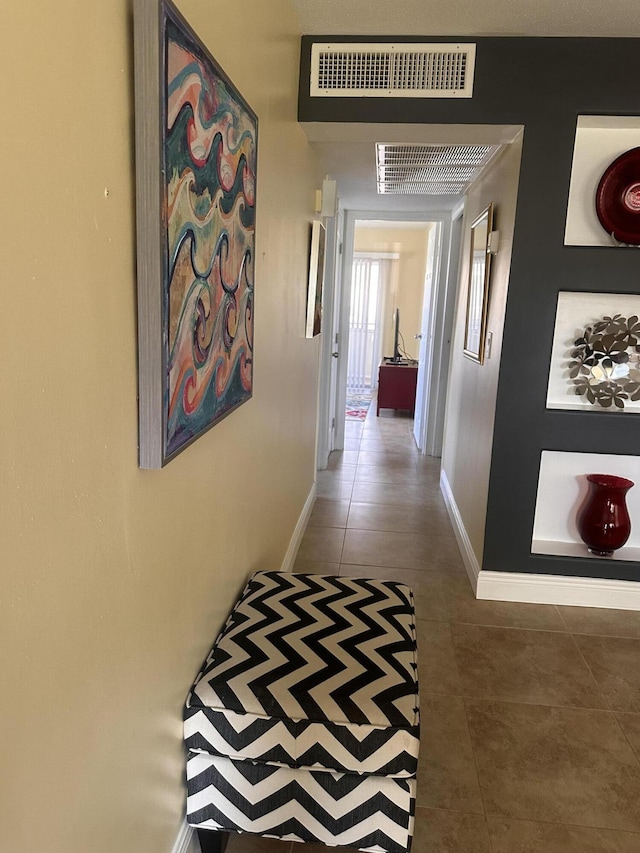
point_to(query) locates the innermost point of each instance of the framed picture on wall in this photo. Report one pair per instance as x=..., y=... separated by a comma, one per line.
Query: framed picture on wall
x=196, y=152
x=475, y=329
x=316, y=279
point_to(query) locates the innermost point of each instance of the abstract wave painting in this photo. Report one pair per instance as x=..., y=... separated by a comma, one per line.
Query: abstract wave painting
x=208, y=216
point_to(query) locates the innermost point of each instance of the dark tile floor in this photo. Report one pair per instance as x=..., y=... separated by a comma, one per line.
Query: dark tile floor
x=530, y=713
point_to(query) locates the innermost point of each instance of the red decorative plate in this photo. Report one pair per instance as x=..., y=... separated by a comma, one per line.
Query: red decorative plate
x=618, y=198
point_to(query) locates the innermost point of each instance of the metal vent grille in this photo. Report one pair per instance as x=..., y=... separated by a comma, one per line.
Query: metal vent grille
x=408, y=188
x=430, y=169
x=391, y=71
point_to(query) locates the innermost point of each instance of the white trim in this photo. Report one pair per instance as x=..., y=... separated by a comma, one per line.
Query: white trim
x=458, y=210
x=439, y=334
x=557, y=548
x=298, y=533
x=558, y=589
x=324, y=432
x=442, y=351
x=537, y=589
x=184, y=843
x=464, y=543
x=378, y=256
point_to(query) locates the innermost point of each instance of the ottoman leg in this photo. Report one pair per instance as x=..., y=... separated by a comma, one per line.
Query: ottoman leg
x=212, y=841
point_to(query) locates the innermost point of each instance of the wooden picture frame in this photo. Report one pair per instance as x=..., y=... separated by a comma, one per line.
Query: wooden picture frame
x=316, y=279
x=475, y=328
x=196, y=157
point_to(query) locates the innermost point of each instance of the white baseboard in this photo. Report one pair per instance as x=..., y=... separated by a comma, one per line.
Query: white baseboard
x=464, y=543
x=187, y=840
x=298, y=533
x=537, y=589
x=559, y=589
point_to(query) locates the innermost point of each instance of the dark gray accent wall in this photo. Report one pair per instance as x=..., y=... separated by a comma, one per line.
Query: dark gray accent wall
x=543, y=84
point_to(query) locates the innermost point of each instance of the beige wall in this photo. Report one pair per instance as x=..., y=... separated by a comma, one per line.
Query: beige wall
x=472, y=388
x=114, y=581
x=407, y=278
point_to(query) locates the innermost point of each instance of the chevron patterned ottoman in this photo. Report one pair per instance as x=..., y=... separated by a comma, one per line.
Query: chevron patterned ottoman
x=303, y=722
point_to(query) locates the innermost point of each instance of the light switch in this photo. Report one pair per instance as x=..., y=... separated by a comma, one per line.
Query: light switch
x=487, y=345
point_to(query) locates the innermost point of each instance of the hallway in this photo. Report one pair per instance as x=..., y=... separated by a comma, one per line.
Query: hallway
x=530, y=714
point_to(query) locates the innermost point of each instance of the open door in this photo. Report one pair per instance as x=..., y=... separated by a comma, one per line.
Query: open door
x=329, y=359
x=426, y=335
x=442, y=354
x=335, y=336
x=441, y=282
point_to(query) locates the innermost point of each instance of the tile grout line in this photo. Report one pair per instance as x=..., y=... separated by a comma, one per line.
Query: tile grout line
x=473, y=750
x=344, y=539
x=595, y=680
x=541, y=820
x=625, y=736
x=498, y=700
x=475, y=759
x=605, y=697
x=562, y=619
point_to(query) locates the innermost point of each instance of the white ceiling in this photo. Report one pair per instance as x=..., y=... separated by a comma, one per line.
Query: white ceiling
x=347, y=151
x=469, y=17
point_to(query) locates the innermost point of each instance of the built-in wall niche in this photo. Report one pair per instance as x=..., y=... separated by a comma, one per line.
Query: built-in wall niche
x=599, y=141
x=612, y=385
x=562, y=487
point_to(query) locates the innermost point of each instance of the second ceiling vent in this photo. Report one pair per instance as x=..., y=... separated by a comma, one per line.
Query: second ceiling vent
x=381, y=70
x=430, y=169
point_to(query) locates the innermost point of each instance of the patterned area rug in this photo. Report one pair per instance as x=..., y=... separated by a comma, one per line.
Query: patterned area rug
x=357, y=406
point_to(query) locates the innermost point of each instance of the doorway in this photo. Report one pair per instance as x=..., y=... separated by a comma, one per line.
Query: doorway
x=420, y=329
x=372, y=275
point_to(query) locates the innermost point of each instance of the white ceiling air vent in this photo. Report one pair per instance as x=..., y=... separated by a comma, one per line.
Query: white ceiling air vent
x=392, y=70
x=430, y=169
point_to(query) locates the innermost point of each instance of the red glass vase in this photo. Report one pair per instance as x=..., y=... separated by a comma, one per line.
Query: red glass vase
x=603, y=519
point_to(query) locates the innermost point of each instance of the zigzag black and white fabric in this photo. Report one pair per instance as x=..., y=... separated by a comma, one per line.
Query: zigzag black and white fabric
x=374, y=813
x=313, y=670
x=311, y=686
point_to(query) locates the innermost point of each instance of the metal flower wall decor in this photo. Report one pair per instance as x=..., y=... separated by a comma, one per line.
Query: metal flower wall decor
x=605, y=361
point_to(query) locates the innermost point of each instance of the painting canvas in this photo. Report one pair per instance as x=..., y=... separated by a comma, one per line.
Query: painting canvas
x=316, y=278
x=196, y=213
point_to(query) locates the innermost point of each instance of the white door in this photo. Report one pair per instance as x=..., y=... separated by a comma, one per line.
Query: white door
x=427, y=330
x=328, y=364
x=335, y=335
x=341, y=329
x=441, y=355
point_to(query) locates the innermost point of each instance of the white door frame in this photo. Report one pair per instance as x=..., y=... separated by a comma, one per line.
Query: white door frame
x=428, y=331
x=343, y=327
x=325, y=431
x=445, y=314
x=350, y=219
